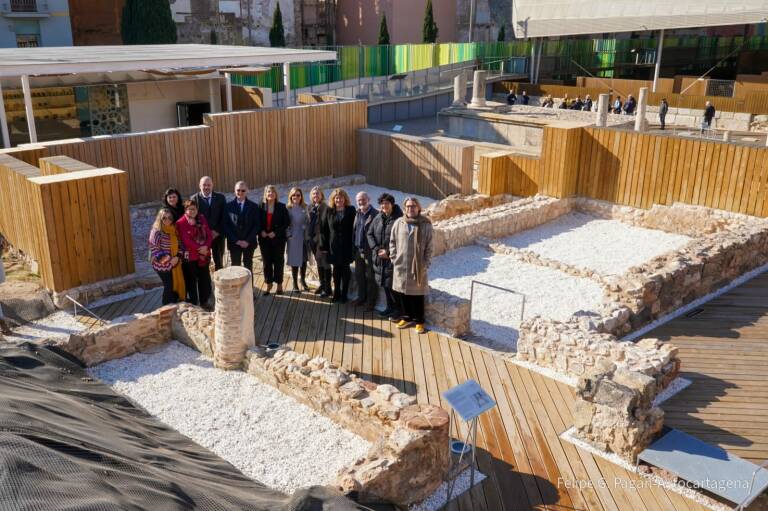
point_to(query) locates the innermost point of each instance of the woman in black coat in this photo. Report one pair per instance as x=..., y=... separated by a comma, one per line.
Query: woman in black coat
x=378, y=240
x=172, y=200
x=337, y=240
x=272, y=239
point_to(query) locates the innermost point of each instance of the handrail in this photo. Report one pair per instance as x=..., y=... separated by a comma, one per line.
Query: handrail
x=472, y=293
x=744, y=503
x=86, y=309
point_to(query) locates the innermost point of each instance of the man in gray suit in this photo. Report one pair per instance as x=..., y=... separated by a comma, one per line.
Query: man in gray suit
x=211, y=205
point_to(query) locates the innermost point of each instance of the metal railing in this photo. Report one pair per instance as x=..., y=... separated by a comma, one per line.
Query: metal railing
x=512, y=291
x=86, y=309
x=23, y=5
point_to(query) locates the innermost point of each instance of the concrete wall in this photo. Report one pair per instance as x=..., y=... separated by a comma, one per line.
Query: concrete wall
x=357, y=22
x=152, y=106
x=52, y=18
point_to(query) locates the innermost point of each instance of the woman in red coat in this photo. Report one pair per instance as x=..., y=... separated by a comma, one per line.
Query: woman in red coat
x=197, y=239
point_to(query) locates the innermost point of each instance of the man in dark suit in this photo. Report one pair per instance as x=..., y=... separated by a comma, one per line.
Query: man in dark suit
x=242, y=226
x=211, y=205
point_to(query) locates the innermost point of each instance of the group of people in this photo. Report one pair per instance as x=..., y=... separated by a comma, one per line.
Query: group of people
x=390, y=249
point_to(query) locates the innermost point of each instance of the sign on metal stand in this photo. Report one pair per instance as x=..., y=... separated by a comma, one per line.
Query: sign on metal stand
x=468, y=401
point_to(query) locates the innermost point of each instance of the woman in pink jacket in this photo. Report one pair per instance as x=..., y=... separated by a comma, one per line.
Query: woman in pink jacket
x=197, y=239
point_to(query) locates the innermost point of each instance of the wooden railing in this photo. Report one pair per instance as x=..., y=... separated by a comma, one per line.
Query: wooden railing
x=433, y=167
x=263, y=146
x=635, y=169
x=75, y=224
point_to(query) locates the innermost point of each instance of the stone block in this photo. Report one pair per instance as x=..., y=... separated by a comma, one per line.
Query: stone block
x=615, y=396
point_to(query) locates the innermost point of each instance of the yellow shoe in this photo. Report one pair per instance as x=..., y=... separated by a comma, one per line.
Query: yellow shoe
x=404, y=323
x=420, y=329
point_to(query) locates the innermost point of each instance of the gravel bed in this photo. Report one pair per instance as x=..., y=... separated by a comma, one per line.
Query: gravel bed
x=609, y=247
x=438, y=499
x=57, y=325
x=264, y=433
x=496, y=314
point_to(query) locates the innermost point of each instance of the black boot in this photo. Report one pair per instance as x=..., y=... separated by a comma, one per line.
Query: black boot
x=345, y=286
x=303, y=274
x=295, y=279
x=320, y=275
x=327, y=291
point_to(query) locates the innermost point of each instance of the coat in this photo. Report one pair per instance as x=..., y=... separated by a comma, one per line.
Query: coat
x=187, y=236
x=316, y=218
x=367, y=220
x=378, y=238
x=214, y=213
x=298, y=236
x=245, y=226
x=280, y=220
x=410, y=260
x=337, y=236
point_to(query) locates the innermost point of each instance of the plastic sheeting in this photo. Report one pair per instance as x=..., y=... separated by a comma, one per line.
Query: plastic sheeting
x=68, y=442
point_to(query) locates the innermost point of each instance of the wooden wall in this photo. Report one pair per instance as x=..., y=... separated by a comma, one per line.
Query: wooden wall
x=52, y=165
x=264, y=146
x=433, y=167
x=635, y=169
x=75, y=224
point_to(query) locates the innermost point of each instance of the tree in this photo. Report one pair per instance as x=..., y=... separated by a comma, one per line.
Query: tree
x=147, y=22
x=502, y=34
x=277, y=33
x=383, y=31
x=214, y=37
x=429, y=32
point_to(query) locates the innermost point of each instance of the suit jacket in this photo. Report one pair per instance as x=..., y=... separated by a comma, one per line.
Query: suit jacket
x=367, y=220
x=242, y=226
x=213, y=213
x=337, y=236
x=280, y=220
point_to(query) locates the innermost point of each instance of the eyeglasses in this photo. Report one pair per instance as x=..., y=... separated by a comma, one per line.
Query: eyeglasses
x=412, y=206
x=238, y=190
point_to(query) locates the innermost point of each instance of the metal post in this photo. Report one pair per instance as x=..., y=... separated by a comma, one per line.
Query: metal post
x=657, y=69
x=538, y=60
x=287, y=83
x=4, y=121
x=228, y=86
x=532, y=66
x=28, y=109
x=471, y=19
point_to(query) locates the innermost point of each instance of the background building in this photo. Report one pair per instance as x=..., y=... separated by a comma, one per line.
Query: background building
x=96, y=22
x=33, y=23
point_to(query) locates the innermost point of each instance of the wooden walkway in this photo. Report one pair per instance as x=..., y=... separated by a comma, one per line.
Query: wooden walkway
x=724, y=350
x=142, y=303
x=527, y=464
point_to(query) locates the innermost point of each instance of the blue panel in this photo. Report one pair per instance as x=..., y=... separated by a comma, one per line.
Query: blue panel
x=429, y=106
x=401, y=110
x=374, y=114
x=706, y=466
x=387, y=112
x=415, y=108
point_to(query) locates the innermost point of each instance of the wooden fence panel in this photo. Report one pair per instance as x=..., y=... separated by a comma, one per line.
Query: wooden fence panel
x=61, y=164
x=433, y=167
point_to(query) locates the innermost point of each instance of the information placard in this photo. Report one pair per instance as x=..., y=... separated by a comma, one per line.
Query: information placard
x=469, y=400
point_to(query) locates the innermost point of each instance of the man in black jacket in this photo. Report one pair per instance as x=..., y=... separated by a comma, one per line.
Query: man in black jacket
x=212, y=205
x=367, y=290
x=242, y=225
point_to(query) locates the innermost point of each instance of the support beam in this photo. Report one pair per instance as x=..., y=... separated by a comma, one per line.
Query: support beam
x=538, y=61
x=602, y=111
x=657, y=68
x=214, y=96
x=471, y=19
x=642, y=103
x=4, y=122
x=287, y=84
x=228, y=85
x=28, y=108
x=532, y=65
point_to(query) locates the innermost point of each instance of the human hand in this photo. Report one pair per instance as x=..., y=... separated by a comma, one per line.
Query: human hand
x=242, y=244
x=263, y=234
x=174, y=261
x=215, y=234
x=382, y=254
x=202, y=250
x=271, y=235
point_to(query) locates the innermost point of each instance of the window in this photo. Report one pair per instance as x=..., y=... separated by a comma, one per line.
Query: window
x=27, y=33
x=27, y=41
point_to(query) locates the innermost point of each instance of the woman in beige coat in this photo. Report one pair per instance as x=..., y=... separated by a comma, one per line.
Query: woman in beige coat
x=410, y=249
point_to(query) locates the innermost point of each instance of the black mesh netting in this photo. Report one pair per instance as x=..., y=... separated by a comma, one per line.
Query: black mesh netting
x=69, y=443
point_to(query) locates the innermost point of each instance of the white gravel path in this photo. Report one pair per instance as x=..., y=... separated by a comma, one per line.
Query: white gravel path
x=57, y=325
x=375, y=191
x=609, y=247
x=264, y=433
x=496, y=314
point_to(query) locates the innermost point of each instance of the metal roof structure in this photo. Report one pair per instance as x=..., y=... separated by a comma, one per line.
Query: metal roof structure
x=545, y=18
x=103, y=59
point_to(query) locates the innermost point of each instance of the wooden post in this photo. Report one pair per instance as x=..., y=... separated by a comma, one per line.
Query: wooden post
x=4, y=121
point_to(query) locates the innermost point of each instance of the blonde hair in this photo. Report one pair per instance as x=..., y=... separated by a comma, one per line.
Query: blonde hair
x=296, y=189
x=269, y=188
x=343, y=193
x=157, y=225
x=318, y=190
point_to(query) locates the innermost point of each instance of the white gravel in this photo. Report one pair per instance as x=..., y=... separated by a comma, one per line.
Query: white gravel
x=57, y=325
x=496, y=314
x=609, y=247
x=375, y=191
x=439, y=498
x=264, y=433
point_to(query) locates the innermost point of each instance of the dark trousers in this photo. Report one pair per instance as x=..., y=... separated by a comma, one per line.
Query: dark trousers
x=341, y=276
x=393, y=303
x=217, y=252
x=663, y=119
x=242, y=257
x=197, y=280
x=169, y=295
x=413, y=307
x=367, y=290
x=273, y=259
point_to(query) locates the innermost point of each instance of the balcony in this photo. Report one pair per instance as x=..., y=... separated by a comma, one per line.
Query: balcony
x=24, y=9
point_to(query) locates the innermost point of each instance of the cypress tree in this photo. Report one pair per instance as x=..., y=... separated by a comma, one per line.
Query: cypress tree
x=383, y=31
x=147, y=22
x=214, y=37
x=277, y=33
x=502, y=34
x=429, y=32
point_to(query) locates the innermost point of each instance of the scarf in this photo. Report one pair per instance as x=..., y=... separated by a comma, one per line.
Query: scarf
x=176, y=273
x=416, y=262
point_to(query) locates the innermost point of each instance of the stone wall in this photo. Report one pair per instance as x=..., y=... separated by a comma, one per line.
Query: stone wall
x=455, y=205
x=693, y=117
x=409, y=457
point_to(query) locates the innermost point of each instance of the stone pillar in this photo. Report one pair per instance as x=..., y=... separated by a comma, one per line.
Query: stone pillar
x=459, y=89
x=642, y=104
x=726, y=136
x=478, y=89
x=602, y=110
x=234, y=317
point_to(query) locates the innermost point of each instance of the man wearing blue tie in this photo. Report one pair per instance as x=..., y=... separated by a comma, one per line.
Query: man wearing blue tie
x=242, y=226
